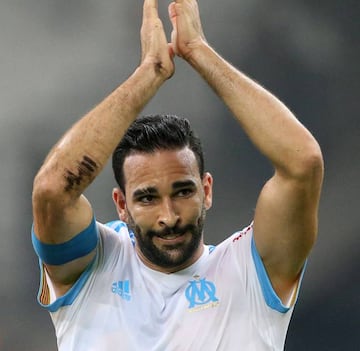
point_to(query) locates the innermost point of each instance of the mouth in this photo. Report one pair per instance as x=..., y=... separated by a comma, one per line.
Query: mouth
x=172, y=238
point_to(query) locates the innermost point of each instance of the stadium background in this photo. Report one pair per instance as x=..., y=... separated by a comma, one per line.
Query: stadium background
x=60, y=58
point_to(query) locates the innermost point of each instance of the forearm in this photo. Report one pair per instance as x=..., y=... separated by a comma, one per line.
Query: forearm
x=84, y=150
x=268, y=122
x=60, y=211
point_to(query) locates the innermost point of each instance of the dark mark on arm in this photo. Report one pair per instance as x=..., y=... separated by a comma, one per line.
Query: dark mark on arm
x=85, y=169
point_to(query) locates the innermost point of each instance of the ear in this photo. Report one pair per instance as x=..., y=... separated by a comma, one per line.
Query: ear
x=207, y=186
x=120, y=204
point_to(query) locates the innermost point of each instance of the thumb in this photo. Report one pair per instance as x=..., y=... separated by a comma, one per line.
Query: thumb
x=172, y=14
x=171, y=51
x=173, y=17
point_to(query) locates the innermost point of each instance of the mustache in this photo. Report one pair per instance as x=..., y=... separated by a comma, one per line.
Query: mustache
x=175, y=230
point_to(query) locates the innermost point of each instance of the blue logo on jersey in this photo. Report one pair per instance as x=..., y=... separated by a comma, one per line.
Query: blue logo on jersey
x=122, y=288
x=201, y=292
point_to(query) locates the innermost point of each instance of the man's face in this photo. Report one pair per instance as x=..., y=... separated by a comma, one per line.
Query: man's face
x=165, y=206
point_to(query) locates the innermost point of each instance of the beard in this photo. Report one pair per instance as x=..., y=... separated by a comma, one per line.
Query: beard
x=169, y=256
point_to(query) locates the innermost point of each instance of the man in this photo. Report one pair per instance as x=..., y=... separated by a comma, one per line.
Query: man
x=148, y=281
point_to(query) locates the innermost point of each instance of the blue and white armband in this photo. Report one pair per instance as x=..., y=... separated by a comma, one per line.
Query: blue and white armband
x=58, y=254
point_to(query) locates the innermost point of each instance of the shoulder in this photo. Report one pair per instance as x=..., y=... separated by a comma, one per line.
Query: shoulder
x=239, y=241
x=116, y=225
x=117, y=229
x=115, y=238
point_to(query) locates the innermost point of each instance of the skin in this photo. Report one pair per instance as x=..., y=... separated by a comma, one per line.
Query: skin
x=285, y=221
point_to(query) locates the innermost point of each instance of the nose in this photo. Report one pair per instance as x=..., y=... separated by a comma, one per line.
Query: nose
x=168, y=215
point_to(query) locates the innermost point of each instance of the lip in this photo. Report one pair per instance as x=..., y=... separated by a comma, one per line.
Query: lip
x=171, y=239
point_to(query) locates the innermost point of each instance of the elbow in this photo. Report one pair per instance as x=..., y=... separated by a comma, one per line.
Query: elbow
x=307, y=165
x=42, y=191
x=47, y=189
x=313, y=164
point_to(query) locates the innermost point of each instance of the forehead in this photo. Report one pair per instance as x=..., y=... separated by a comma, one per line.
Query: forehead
x=160, y=167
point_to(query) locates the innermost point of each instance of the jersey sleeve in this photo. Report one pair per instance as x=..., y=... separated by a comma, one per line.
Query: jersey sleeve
x=251, y=265
x=112, y=238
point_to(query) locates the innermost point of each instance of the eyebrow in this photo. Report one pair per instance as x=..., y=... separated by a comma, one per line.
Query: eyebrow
x=145, y=191
x=183, y=184
x=151, y=190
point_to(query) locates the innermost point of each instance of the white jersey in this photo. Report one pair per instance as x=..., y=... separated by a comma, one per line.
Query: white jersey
x=222, y=302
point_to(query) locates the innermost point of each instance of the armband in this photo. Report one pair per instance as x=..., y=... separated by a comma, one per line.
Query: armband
x=58, y=254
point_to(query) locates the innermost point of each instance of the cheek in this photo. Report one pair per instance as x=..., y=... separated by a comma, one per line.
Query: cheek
x=192, y=212
x=143, y=217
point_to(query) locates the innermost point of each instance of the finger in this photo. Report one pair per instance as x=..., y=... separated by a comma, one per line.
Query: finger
x=172, y=13
x=150, y=8
x=171, y=51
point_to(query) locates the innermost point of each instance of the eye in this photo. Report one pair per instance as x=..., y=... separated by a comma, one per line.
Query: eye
x=146, y=199
x=185, y=192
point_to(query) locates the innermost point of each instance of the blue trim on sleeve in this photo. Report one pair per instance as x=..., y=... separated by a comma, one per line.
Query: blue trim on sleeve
x=79, y=246
x=72, y=294
x=117, y=225
x=271, y=298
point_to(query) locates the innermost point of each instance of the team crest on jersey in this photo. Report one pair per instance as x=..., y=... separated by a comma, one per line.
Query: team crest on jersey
x=201, y=294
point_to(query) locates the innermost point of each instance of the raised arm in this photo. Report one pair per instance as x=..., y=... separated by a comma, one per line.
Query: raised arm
x=60, y=210
x=285, y=223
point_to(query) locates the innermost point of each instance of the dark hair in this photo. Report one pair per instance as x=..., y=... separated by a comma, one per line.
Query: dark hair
x=155, y=132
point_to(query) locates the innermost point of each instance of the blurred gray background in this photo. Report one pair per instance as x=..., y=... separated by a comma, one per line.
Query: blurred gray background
x=58, y=58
